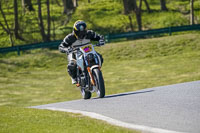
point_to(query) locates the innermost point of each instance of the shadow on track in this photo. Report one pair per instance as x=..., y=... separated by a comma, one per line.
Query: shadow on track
x=125, y=94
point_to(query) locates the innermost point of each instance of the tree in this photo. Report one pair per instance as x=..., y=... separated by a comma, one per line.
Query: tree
x=127, y=6
x=147, y=6
x=48, y=21
x=7, y=28
x=191, y=12
x=75, y=3
x=131, y=5
x=138, y=14
x=27, y=5
x=68, y=6
x=41, y=24
x=163, y=5
x=16, y=24
x=58, y=3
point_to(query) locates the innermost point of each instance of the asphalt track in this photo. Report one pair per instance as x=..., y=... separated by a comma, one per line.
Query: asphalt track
x=165, y=109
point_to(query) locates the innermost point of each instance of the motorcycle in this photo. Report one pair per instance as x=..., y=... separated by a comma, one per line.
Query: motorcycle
x=89, y=75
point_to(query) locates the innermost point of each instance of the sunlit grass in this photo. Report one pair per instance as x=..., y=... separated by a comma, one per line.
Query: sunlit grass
x=41, y=77
x=18, y=120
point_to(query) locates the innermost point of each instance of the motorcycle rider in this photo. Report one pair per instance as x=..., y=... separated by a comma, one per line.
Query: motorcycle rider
x=79, y=37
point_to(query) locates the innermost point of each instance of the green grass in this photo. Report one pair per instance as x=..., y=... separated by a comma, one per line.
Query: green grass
x=28, y=76
x=40, y=76
x=152, y=62
x=18, y=120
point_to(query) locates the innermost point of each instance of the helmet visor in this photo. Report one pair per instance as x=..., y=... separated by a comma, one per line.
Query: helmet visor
x=80, y=34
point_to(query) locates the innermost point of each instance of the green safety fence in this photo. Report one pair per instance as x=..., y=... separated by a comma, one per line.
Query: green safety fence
x=108, y=37
x=19, y=48
x=141, y=34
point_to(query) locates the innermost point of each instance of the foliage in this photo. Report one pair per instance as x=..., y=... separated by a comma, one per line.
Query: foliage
x=103, y=16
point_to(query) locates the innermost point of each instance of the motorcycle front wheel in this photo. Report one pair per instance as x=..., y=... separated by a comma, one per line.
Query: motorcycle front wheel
x=99, y=83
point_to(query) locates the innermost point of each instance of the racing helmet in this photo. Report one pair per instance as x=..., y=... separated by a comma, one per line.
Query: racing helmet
x=80, y=29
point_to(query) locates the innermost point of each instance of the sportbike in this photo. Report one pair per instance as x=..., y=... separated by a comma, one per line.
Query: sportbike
x=89, y=75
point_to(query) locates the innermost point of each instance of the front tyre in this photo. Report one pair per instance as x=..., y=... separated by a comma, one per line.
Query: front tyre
x=99, y=83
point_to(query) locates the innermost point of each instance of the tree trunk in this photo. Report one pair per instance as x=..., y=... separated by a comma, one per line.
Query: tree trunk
x=27, y=5
x=147, y=6
x=58, y=3
x=128, y=6
x=131, y=23
x=48, y=21
x=16, y=28
x=131, y=5
x=75, y=3
x=41, y=25
x=54, y=34
x=7, y=29
x=68, y=6
x=138, y=14
x=191, y=12
x=163, y=5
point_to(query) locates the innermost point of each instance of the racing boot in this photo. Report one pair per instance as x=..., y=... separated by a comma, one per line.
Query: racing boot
x=74, y=80
x=71, y=68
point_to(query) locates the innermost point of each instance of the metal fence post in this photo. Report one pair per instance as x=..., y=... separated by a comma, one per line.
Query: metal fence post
x=170, y=31
x=18, y=50
x=107, y=38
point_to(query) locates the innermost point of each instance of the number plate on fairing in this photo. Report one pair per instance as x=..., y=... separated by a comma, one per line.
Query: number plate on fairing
x=87, y=48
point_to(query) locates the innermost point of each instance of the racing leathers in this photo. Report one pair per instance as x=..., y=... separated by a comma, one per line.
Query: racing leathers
x=72, y=40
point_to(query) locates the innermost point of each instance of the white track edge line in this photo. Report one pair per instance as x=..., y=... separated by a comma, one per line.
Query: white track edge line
x=114, y=122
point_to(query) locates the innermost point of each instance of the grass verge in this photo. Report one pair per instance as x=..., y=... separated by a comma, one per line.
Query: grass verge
x=18, y=120
x=40, y=77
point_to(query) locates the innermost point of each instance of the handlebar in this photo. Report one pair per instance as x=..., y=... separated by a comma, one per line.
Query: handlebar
x=75, y=48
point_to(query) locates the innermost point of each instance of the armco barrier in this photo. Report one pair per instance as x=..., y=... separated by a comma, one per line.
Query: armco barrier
x=30, y=46
x=108, y=37
x=140, y=34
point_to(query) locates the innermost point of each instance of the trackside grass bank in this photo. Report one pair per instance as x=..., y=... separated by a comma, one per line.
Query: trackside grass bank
x=40, y=77
x=18, y=120
x=152, y=62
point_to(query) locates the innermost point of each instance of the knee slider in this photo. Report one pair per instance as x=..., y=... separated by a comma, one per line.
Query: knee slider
x=72, y=68
x=71, y=65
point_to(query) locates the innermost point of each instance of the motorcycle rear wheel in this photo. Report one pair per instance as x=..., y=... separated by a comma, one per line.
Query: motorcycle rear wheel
x=86, y=94
x=99, y=83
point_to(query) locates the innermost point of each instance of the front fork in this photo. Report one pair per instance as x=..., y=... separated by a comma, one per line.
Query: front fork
x=89, y=71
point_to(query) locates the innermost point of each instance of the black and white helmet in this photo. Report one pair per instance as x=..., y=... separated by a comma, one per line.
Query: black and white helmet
x=80, y=29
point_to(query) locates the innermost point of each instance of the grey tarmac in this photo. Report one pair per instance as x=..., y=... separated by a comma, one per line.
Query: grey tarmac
x=173, y=108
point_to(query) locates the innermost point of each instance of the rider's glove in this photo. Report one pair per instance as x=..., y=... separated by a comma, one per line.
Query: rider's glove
x=62, y=50
x=67, y=50
x=101, y=42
